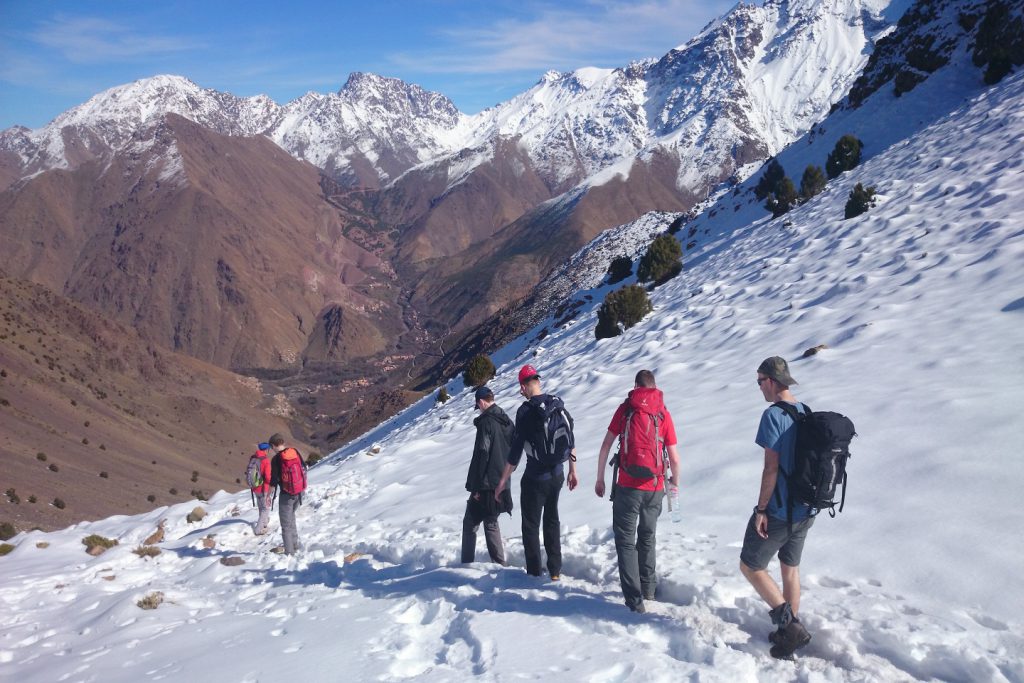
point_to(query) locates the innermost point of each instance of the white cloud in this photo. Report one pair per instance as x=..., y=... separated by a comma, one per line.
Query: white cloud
x=603, y=33
x=93, y=40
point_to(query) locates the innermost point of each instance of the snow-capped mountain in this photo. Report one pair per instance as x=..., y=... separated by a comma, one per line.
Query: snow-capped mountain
x=743, y=88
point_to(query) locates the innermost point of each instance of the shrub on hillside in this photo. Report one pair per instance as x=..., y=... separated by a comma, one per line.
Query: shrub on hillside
x=196, y=515
x=619, y=269
x=1000, y=42
x=662, y=261
x=151, y=601
x=41, y=457
x=861, y=199
x=624, y=307
x=782, y=199
x=53, y=467
x=7, y=531
x=147, y=551
x=812, y=182
x=104, y=475
x=773, y=175
x=97, y=545
x=314, y=457
x=442, y=395
x=6, y=548
x=845, y=156
x=58, y=503
x=478, y=371
x=12, y=496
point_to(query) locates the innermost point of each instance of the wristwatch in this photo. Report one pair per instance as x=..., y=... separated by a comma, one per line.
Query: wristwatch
x=760, y=511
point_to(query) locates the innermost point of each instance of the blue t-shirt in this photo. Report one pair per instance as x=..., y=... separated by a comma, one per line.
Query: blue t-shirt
x=777, y=431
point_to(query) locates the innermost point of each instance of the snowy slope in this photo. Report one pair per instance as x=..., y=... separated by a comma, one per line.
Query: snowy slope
x=921, y=303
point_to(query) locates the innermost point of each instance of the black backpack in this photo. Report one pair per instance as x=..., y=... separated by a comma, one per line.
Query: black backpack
x=550, y=440
x=822, y=449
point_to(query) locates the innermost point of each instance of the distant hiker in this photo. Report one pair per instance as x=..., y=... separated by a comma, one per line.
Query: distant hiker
x=288, y=474
x=778, y=524
x=490, y=454
x=544, y=431
x=645, y=431
x=257, y=476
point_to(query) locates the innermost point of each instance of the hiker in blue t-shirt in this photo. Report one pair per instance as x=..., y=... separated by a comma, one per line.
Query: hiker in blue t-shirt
x=778, y=525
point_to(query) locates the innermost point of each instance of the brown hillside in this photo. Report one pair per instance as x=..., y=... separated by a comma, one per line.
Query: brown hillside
x=92, y=396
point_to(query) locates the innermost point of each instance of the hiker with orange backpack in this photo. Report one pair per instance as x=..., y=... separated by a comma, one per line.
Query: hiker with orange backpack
x=257, y=476
x=645, y=432
x=288, y=473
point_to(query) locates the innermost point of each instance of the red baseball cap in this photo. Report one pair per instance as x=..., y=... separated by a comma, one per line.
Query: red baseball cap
x=527, y=372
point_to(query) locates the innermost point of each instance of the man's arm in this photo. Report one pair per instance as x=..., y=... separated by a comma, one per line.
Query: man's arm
x=602, y=462
x=509, y=468
x=769, y=476
x=673, y=463
x=572, y=481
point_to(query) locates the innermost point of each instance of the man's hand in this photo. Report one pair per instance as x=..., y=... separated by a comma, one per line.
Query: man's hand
x=500, y=488
x=761, y=524
x=599, y=488
x=571, y=481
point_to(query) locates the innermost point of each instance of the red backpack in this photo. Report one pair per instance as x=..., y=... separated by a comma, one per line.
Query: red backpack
x=641, y=446
x=293, y=473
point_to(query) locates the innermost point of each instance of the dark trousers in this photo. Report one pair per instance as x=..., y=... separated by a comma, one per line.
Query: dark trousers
x=477, y=512
x=635, y=522
x=536, y=497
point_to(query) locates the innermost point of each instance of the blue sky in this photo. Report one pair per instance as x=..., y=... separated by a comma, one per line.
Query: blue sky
x=54, y=55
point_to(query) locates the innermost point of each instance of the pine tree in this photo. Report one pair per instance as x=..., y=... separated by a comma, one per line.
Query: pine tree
x=625, y=307
x=773, y=175
x=619, y=269
x=662, y=261
x=782, y=199
x=845, y=156
x=861, y=199
x=813, y=182
x=478, y=371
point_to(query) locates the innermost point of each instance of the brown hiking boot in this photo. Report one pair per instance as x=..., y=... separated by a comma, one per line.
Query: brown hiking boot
x=789, y=639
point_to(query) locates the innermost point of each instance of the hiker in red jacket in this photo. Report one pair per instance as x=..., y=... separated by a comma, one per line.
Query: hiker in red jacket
x=647, y=433
x=263, y=494
x=288, y=473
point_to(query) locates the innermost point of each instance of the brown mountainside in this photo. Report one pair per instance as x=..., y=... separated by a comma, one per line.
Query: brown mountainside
x=220, y=247
x=81, y=394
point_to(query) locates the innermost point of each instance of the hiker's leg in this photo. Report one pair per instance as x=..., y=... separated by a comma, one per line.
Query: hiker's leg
x=764, y=584
x=530, y=504
x=289, y=533
x=789, y=557
x=757, y=553
x=552, y=525
x=492, y=534
x=646, y=541
x=264, y=508
x=470, y=523
x=791, y=586
x=625, y=511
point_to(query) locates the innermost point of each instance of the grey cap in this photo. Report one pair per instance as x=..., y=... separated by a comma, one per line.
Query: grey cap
x=777, y=368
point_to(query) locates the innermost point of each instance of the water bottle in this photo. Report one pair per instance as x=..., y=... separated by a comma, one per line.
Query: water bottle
x=673, y=504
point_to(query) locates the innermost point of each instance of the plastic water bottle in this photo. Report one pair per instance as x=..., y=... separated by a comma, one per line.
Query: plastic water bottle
x=673, y=504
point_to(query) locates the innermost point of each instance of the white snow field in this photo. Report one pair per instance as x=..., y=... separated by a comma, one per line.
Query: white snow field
x=921, y=302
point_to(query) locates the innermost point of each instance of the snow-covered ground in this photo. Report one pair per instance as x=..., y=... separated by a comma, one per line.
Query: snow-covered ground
x=921, y=302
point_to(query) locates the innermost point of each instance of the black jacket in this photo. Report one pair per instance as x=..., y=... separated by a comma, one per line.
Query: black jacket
x=490, y=452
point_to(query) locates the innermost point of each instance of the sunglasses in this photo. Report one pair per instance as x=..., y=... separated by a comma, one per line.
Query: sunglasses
x=761, y=380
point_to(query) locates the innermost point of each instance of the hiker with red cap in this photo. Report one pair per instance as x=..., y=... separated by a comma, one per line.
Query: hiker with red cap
x=645, y=431
x=544, y=432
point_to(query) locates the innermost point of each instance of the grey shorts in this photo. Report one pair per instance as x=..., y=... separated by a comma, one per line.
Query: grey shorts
x=788, y=543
